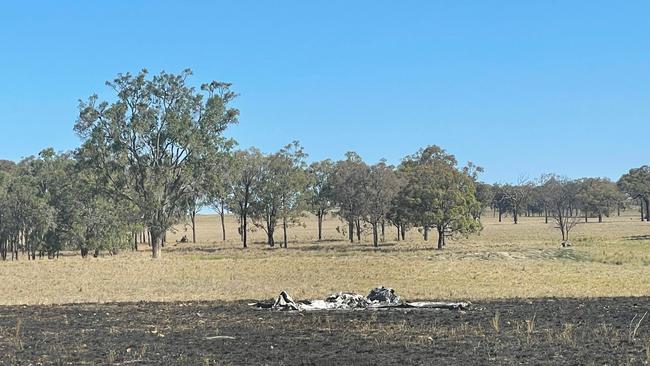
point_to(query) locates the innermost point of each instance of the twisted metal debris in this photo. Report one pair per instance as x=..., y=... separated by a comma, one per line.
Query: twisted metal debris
x=378, y=298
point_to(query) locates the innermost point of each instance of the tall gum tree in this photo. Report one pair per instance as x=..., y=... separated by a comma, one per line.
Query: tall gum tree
x=280, y=195
x=381, y=186
x=636, y=184
x=561, y=196
x=144, y=143
x=246, y=174
x=439, y=195
x=348, y=180
x=320, y=192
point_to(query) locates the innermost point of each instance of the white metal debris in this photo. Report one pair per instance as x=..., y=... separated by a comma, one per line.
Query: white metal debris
x=378, y=298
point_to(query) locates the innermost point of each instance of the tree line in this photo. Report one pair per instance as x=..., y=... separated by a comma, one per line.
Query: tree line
x=157, y=154
x=568, y=201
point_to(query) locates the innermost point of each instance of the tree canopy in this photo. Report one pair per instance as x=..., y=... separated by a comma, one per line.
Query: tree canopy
x=145, y=143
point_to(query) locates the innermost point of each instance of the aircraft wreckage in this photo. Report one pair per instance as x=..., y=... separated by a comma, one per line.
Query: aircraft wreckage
x=378, y=298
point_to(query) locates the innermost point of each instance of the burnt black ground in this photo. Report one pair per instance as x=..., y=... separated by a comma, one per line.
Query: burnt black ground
x=539, y=331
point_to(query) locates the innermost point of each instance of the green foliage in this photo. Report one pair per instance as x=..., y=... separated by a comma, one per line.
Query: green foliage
x=485, y=195
x=145, y=144
x=598, y=196
x=245, y=178
x=380, y=188
x=280, y=193
x=320, y=191
x=636, y=183
x=348, y=181
x=439, y=195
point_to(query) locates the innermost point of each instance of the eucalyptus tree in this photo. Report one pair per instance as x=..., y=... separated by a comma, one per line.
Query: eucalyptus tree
x=485, y=197
x=439, y=194
x=208, y=184
x=219, y=186
x=144, y=144
x=292, y=170
x=5, y=177
x=536, y=204
x=597, y=196
x=636, y=184
x=517, y=196
x=398, y=213
x=500, y=200
x=197, y=197
x=265, y=203
x=348, y=181
x=320, y=191
x=96, y=221
x=381, y=186
x=246, y=177
x=46, y=179
x=280, y=195
x=31, y=219
x=562, y=195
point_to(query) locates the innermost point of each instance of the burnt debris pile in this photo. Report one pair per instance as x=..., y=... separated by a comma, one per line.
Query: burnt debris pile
x=378, y=298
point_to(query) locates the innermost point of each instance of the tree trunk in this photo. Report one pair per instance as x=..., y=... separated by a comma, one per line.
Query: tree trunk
x=156, y=244
x=441, y=238
x=284, y=231
x=426, y=233
x=223, y=223
x=383, y=230
x=193, y=217
x=269, y=236
x=642, y=211
x=244, y=230
x=398, y=233
x=403, y=231
x=240, y=229
x=351, y=230
x=546, y=215
x=500, y=214
x=320, y=225
x=586, y=217
x=359, y=230
x=647, y=209
x=515, y=216
x=600, y=217
x=375, y=235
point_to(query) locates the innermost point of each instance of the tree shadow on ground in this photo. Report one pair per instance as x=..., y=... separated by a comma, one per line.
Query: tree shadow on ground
x=325, y=246
x=638, y=237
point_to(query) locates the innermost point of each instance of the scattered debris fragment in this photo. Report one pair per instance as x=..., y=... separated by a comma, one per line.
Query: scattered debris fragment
x=378, y=298
x=383, y=295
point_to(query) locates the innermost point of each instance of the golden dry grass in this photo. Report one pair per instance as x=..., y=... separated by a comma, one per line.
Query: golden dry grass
x=505, y=260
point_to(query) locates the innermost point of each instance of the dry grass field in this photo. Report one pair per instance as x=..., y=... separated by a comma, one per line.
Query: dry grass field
x=504, y=261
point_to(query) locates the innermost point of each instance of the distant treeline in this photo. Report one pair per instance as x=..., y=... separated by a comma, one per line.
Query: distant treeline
x=156, y=155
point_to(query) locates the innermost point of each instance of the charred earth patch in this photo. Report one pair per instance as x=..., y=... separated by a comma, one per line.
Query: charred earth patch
x=536, y=331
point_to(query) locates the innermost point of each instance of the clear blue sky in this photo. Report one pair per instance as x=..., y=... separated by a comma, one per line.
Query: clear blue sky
x=519, y=87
